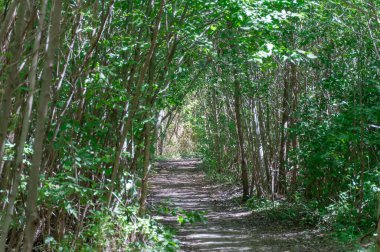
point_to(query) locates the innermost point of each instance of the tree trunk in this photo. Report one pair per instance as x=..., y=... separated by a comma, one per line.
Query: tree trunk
x=135, y=100
x=33, y=181
x=264, y=141
x=18, y=165
x=6, y=23
x=13, y=78
x=239, y=129
x=293, y=121
x=216, y=134
x=283, y=138
x=146, y=164
x=378, y=224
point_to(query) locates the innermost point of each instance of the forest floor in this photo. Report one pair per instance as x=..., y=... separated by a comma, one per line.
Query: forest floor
x=230, y=226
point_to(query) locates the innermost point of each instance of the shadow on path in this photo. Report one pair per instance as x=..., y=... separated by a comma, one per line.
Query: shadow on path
x=229, y=227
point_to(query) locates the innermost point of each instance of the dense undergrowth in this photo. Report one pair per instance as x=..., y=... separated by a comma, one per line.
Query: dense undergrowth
x=335, y=220
x=81, y=222
x=339, y=220
x=117, y=230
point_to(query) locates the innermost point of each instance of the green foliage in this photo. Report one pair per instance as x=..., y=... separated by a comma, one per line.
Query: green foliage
x=191, y=217
x=340, y=219
x=308, y=93
x=116, y=230
x=166, y=207
x=315, y=62
x=295, y=213
x=213, y=171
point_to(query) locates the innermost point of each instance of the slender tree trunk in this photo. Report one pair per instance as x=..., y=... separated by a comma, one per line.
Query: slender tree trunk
x=293, y=120
x=18, y=165
x=215, y=132
x=33, y=181
x=169, y=121
x=158, y=130
x=378, y=224
x=283, y=138
x=257, y=133
x=8, y=21
x=361, y=143
x=256, y=178
x=239, y=129
x=13, y=78
x=264, y=140
x=146, y=165
x=135, y=100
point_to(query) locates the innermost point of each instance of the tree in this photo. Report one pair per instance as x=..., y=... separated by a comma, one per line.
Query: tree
x=44, y=97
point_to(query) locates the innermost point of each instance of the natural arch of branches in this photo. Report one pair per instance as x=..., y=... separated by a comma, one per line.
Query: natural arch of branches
x=281, y=96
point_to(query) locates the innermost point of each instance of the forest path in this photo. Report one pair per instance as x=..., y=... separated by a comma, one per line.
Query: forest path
x=230, y=227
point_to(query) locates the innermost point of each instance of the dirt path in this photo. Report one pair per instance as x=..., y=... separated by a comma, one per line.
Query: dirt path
x=229, y=227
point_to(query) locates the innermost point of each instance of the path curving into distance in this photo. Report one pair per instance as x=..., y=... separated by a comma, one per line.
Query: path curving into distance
x=229, y=227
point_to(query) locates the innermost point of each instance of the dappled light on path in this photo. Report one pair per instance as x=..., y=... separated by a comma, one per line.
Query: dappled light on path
x=229, y=227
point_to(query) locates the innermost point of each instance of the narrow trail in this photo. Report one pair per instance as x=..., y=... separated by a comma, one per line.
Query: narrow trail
x=229, y=227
